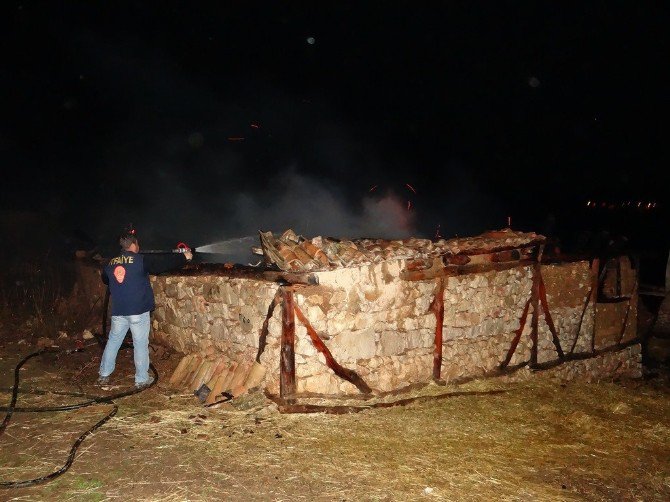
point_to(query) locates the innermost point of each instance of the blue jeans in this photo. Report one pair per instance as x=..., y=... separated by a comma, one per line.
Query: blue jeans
x=139, y=326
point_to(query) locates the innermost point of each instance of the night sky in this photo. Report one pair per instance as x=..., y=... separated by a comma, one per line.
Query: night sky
x=207, y=121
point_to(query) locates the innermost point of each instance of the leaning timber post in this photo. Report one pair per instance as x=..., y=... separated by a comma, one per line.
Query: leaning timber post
x=548, y=319
x=345, y=373
x=595, y=279
x=287, y=351
x=437, y=307
x=535, y=302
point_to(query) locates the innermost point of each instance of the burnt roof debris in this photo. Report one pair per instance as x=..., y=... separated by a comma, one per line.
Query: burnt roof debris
x=293, y=253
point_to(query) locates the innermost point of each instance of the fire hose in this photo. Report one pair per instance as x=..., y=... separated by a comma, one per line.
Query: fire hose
x=92, y=400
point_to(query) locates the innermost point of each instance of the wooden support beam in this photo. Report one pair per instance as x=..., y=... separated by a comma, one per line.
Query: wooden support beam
x=517, y=336
x=248, y=272
x=549, y=320
x=454, y=270
x=263, y=336
x=628, y=308
x=437, y=308
x=285, y=407
x=287, y=350
x=595, y=280
x=535, y=302
x=345, y=373
x=587, y=302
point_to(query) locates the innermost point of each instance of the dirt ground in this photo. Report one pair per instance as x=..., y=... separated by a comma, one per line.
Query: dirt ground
x=537, y=440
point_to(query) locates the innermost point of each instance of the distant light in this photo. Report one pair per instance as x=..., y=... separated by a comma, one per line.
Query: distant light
x=534, y=82
x=311, y=40
x=588, y=204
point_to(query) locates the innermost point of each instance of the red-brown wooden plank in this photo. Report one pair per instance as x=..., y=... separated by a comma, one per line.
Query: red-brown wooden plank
x=517, y=336
x=437, y=307
x=262, y=339
x=548, y=319
x=344, y=373
x=595, y=279
x=535, y=302
x=287, y=351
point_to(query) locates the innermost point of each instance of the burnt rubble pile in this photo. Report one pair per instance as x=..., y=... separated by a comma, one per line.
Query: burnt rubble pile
x=294, y=253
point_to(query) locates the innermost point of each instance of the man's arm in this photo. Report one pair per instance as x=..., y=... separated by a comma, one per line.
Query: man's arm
x=103, y=276
x=155, y=264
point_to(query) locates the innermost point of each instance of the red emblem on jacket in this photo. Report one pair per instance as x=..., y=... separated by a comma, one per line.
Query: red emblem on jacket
x=119, y=274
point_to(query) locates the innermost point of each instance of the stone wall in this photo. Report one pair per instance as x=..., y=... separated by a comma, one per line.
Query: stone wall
x=381, y=326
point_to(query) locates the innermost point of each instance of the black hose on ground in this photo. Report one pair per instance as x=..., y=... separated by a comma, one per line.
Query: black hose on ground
x=12, y=408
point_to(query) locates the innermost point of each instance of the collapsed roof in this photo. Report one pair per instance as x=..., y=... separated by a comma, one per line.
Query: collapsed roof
x=294, y=253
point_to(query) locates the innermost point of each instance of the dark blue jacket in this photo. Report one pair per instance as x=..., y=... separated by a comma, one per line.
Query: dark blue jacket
x=127, y=276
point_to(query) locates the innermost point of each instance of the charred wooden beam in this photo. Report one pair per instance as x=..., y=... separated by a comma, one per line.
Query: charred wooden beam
x=437, y=307
x=345, y=373
x=287, y=350
x=531, y=245
x=505, y=256
x=517, y=335
x=290, y=407
x=579, y=356
x=535, y=302
x=548, y=319
x=454, y=270
x=587, y=302
x=247, y=272
x=628, y=308
x=263, y=336
x=595, y=281
x=459, y=259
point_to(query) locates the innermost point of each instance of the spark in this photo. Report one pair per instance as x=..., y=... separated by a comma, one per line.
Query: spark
x=254, y=125
x=409, y=205
x=236, y=138
x=410, y=187
x=372, y=189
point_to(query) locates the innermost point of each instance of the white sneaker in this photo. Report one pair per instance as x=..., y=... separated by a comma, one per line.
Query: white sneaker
x=144, y=384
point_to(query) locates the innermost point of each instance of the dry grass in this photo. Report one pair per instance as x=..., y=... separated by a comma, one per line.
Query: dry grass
x=539, y=440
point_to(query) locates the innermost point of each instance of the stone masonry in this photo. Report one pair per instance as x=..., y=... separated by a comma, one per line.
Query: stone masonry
x=381, y=326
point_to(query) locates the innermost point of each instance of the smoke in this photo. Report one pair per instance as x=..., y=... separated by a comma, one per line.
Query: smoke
x=166, y=211
x=312, y=208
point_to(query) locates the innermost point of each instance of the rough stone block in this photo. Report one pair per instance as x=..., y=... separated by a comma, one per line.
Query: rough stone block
x=353, y=345
x=391, y=343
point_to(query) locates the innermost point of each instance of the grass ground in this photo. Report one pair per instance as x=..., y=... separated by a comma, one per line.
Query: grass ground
x=538, y=440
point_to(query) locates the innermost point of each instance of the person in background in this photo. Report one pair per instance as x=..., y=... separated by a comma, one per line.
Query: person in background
x=127, y=276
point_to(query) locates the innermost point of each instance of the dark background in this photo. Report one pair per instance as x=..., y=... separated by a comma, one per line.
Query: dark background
x=119, y=112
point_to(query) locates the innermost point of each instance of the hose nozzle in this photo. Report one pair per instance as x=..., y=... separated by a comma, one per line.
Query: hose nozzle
x=182, y=248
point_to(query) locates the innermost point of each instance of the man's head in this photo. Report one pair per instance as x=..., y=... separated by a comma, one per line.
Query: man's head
x=128, y=241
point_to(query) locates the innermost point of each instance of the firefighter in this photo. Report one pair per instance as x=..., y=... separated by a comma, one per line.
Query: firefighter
x=127, y=276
